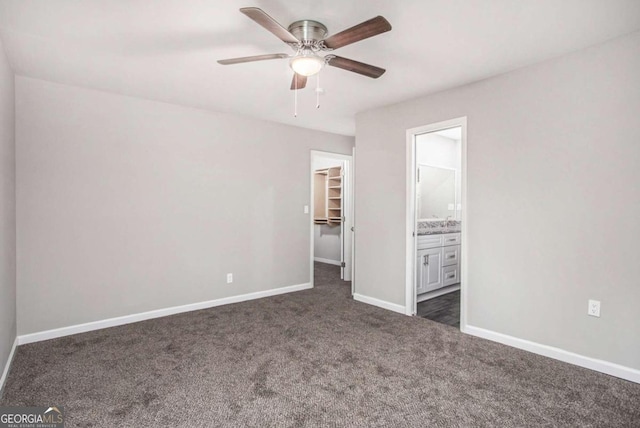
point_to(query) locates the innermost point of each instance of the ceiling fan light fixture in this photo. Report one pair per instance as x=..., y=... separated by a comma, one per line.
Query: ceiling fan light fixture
x=307, y=64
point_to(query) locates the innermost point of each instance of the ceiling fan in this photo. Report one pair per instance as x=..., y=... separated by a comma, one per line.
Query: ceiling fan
x=309, y=38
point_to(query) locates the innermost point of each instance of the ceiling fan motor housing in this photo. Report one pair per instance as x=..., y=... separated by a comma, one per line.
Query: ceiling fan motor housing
x=308, y=38
x=308, y=30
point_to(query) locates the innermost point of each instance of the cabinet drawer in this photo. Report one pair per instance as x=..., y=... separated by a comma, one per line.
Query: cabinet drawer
x=451, y=239
x=430, y=241
x=451, y=255
x=451, y=275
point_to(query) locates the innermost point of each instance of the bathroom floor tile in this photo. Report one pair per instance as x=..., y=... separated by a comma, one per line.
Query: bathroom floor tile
x=443, y=309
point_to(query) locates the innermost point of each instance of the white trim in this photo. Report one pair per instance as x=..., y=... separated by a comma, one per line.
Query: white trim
x=128, y=319
x=7, y=366
x=410, y=248
x=327, y=261
x=464, y=246
x=312, y=227
x=349, y=213
x=602, y=366
x=411, y=221
x=379, y=303
x=437, y=293
x=353, y=222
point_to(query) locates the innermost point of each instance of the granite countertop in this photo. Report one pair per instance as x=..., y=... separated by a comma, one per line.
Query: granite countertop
x=435, y=227
x=436, y=231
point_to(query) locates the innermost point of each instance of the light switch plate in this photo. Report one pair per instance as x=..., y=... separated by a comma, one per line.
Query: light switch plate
x=306, y=209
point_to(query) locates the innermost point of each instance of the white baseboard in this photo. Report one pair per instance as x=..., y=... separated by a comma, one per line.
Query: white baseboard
x=128, y=319
x=7, y=366
x=433, y=294
x=379, y=303
x=602, y=366
x=327, y=261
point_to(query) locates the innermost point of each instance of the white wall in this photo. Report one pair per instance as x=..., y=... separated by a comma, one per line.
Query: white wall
x=7, y=211
x=553, y=199
x=126, y=205
x=327, y=240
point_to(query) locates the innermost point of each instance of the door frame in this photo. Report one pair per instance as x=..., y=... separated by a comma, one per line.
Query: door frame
x=348, y=199
x=411, y=216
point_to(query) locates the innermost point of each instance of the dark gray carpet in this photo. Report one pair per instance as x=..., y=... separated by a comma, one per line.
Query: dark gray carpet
x=311, y=358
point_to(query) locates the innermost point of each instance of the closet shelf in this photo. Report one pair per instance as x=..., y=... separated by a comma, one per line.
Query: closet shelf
x=328, y=196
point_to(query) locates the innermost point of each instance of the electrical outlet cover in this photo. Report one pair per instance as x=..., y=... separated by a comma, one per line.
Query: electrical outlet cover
x=594, y=308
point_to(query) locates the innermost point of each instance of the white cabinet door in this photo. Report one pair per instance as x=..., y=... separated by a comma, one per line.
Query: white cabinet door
x=420, y=272
x=429, y=263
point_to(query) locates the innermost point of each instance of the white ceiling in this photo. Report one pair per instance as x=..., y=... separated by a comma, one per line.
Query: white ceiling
x=166, y=50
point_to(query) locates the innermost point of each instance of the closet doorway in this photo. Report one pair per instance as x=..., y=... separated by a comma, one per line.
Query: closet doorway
x=331, y=212
x=436, y=222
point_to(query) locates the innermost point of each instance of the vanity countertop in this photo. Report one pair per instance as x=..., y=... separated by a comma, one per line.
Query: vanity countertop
x=435, y=231
x=437, y=227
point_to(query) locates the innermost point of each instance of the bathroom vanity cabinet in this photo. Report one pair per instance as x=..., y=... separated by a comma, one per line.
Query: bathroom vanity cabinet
x=438, y=261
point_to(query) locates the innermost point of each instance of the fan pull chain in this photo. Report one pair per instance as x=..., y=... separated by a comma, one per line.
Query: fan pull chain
x=318, y=90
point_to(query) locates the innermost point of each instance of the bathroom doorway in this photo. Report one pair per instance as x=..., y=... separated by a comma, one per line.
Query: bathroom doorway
x=436, y=222
x=332, y=213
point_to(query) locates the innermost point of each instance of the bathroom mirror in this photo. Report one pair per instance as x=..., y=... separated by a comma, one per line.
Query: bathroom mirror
x=436, y=192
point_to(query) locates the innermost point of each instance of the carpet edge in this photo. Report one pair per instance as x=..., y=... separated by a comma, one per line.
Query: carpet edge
x=379, y=303
x=602, y=366
x=157, y=313
x=7, y=366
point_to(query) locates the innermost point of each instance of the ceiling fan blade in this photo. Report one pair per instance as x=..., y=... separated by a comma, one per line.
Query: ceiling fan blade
x=364, y=30
x=301, y=83
x=259, y=16
x=357, y=67
x=251, y=58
